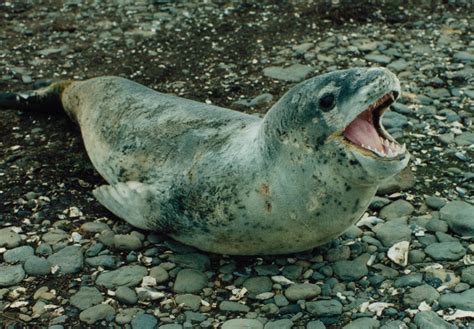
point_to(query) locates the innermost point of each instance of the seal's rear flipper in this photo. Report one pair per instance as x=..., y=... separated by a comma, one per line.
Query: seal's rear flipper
x=44, y=99
x=133, y=201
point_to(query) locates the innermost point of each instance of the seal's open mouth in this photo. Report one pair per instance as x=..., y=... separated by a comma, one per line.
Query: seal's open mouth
x=367, y=133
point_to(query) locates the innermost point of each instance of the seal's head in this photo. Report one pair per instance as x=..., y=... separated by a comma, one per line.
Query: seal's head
x=339, y=115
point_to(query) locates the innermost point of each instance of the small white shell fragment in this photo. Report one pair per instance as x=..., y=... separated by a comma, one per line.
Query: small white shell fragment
x=148, y=281
x=76, y=237
x=459, y=314
x=281, y=280
x=398, y=253
x=265, y=295
x=424, y=307
x=238, y=294
x=378, y=307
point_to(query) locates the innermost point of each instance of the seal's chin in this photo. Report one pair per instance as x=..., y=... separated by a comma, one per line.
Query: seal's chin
x=366, y=134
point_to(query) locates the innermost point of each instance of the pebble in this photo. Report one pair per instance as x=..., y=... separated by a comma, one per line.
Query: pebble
x=424, y=292
x=279, y=324
x=129, y=276
x=144, y=321
x=86, y=297
x=435, y=202
x=126, y=295
x=397, y=209
x=190, y=301
x=445, y=251
x=392, y=232
x=37, y=266
x=315, y=325
x=11, y=275
x=96, y=313
x=293, y=73
x=379, y=59
x=18, y=254
x=362, y=323
x=189, y=281
x=126, y=315
x=160, y=274
x=257, y=285
x=396, y=324
x=94, y=227
x=324, y=308
x=195, y=261
x=127, y=242
x=242, y=324
x=233, y=307
x=460, y=217
x=461, y=301
x=467, y=275
x=69, y=259
x=431, y=320
x=9, y=238
x=302, y=291
x=105, y=261
x=350, y=270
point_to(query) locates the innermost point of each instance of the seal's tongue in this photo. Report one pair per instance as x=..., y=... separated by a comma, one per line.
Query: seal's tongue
x=362, y=132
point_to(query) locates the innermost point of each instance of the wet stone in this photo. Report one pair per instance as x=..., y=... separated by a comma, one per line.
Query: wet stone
x=9, y=238
x=293, y=73
x=11, y=275
x=160, y=274
x=397, y=209
x=233, y=307
x=242, y=323
x=279, y=324
x=467, y=275
x=350, y=270
x=259, y=284
x=195, y=261
x=424, y=292
x=18, y=254
x=409, y=280
x=190, y=281
x=445, y=251
x=129, y=276
x=94, y=227
x=362, y=323
x=379, y=59
x=324, y=307
x=461, y=301
x=144, y=321
x=86, y=297
x=126, y=295
x=189, y=301
x=127, y=242
x=435, y=202
x=431, y=320
x=96, y=313
x=37, y=266
x=392, y=232
x=460, y=217
x=302, y=291
x=69, y=259
x=396, y=324
x=315, y=325
x=105, y=261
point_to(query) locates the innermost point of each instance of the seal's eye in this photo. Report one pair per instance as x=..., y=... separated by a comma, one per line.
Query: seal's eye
x=327, y=102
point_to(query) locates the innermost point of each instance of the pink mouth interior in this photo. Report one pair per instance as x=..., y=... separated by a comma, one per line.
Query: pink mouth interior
x=361, y=131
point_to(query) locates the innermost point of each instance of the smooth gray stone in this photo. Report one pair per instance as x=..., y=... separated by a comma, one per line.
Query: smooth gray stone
x=258, y=284
x=190, y=281
x=279, y=324
x=144, y=321
x=392, y=232
x=127, y=242
x=37, y=266
x=424, y=292
x=11, y=275
x=435, y=202
x=379, y=59
x=460, y=217
x=394, y=120
x=319, y=308
x=129, y=276
x=18, y=254
x=300, y=291
x=94, y=227
x=126, y=295
x=396, y=324
x=431, y=320
x=233, y=307
x=96, y=313
x=293, y=73
x=445, y=251
x=69, y=259
x=160, y=274
x=349, y=270
x=467, y=275
x=9, y=238
x=461, y=301
x=315, y=325
x=86, y=297
x=362, y=323
x=397, y=209
x=242, y=324
x=190, y=301
x=105, y=261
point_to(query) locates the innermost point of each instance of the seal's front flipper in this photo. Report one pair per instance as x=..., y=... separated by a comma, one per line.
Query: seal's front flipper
x=135, y=202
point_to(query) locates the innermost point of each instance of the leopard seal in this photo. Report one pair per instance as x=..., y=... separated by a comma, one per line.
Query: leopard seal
x=228, y=182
